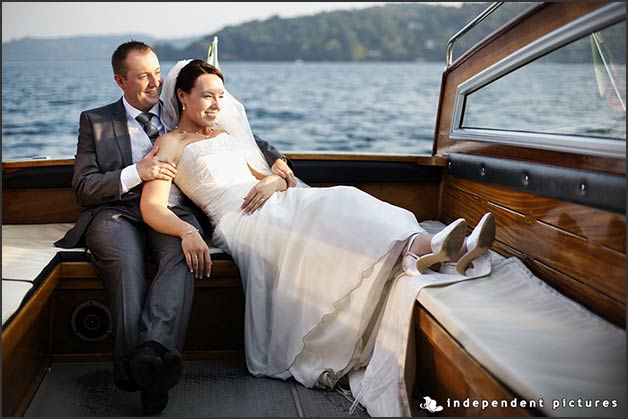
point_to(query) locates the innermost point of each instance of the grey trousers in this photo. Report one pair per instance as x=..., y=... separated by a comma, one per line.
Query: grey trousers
x=120, y=242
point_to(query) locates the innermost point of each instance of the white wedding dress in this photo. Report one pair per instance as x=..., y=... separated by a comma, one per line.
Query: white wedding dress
x=315, y=263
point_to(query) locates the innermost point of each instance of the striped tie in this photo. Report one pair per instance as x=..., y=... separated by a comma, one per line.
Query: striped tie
x=151, y=130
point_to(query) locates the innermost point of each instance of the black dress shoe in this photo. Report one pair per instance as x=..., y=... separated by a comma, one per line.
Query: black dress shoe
x=126, y=385
x=171, y=373
x=153, y=403
x=146, y=365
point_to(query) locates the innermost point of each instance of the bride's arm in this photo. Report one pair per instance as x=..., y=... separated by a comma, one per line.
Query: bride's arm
x=259, y=193
x=155, y=212
x=280, y=181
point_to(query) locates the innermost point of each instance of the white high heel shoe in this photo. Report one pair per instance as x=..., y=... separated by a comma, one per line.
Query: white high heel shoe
x=478, y=242
x=444, y=244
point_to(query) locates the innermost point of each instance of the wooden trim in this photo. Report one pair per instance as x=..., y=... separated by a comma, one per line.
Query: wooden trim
x=18, y=326
x=8, y=166
x=420, y=160
x=81, y=275
x=445, y=370
x=27, y=352
x=543, y=18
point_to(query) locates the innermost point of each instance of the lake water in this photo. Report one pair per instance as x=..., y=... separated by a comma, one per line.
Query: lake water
x=347, y=107
x=387, y=108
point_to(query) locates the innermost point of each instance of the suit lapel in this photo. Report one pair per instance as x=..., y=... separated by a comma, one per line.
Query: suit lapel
x=121, y=132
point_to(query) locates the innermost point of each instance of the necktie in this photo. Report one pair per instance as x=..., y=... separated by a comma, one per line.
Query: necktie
x=151, y=130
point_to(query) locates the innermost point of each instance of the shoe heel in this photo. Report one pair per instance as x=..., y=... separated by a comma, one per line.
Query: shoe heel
x=479, y=242
x=445, y=245
x=409, y=260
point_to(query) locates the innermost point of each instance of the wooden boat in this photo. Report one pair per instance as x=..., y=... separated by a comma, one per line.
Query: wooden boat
x=559, y=203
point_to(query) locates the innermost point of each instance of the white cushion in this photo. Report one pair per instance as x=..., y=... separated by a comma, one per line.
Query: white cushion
x=28, y=248
x=540, y=343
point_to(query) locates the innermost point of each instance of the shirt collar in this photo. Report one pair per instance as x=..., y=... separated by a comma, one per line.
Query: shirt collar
x=133, y=112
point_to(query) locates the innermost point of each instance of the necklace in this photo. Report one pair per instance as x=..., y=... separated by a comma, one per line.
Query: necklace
x=211, y=130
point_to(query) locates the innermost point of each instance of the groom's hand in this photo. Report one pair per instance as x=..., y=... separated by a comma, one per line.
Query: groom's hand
x=152, y=167
x=281, y=168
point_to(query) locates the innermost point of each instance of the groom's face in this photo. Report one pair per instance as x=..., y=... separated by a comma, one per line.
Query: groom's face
x=142, y=82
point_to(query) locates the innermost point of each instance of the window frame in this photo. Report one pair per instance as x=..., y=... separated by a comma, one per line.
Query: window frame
x=614, y=148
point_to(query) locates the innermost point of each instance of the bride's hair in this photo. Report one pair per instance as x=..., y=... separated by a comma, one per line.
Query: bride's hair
x=188, y=75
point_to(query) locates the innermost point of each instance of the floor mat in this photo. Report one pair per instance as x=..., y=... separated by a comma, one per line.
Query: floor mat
x=207, y=388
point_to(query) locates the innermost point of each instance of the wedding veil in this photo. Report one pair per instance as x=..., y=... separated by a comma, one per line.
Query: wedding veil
x=232, y=118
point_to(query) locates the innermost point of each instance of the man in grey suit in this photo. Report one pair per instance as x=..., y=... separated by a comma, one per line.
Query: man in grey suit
x=114, y=157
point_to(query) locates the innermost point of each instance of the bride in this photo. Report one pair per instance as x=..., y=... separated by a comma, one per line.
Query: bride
x=314, y=262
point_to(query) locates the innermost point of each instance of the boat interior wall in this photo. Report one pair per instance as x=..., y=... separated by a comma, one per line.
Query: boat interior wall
x=412, y=182
x=578, y=250
x=562, y=213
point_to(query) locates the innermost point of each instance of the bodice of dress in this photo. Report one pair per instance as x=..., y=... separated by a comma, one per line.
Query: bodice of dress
x=214, y=174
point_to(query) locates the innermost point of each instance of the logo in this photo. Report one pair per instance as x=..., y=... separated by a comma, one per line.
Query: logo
x=430, y=405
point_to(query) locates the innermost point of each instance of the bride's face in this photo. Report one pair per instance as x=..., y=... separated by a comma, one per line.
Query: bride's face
x=202, y=103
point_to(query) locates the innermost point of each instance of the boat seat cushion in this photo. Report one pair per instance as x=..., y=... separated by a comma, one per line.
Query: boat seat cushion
x=538, y=342
x=27, y=249
x=29, y=255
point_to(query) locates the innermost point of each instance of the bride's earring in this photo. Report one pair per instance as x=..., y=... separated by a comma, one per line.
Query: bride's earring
x=183, y=107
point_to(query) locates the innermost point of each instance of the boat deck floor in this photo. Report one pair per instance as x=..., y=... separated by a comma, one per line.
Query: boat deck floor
x=207, y=388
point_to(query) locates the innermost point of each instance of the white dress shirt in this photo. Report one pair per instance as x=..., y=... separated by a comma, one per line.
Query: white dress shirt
x=140, y=143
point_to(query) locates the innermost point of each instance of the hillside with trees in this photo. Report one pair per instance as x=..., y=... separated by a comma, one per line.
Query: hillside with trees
x=393, y=32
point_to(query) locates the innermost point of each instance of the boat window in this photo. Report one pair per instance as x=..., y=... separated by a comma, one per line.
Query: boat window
x=571, y=98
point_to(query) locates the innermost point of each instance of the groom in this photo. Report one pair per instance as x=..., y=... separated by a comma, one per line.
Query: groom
x=114, y=157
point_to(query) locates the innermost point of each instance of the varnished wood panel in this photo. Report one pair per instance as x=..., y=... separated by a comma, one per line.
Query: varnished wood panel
x=39, y=206
x=595, y=225
x=543, y=20
x=445, y=371
x=593, y=274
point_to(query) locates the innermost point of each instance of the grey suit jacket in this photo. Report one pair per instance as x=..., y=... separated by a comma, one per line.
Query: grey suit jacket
x=103, y=150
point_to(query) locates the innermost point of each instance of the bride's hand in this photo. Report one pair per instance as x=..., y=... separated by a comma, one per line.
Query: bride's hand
x=260, y=193
x=196, y=252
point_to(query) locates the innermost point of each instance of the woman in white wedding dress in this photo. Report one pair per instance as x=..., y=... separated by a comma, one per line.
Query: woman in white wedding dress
x=315, y=262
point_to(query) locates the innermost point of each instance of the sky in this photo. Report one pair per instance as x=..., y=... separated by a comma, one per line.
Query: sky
x=167, y=20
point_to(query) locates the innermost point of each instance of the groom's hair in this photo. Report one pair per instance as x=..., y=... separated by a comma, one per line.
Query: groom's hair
x=118, y=58
x=192, y=71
